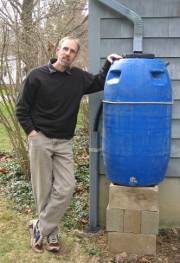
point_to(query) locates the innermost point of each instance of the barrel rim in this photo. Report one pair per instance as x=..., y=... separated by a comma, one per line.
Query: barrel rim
x=139, y=55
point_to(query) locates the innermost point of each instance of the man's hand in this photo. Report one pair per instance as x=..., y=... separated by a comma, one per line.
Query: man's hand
x=32, y=133
x=113, y=57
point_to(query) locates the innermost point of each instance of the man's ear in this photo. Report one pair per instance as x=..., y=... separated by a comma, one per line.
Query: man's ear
x=57, y=50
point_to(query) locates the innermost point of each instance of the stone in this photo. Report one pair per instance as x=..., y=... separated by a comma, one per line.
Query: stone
x=132, y=221
x=114, y=219
x=139, y=244
x=149, y=222
x=133, y=198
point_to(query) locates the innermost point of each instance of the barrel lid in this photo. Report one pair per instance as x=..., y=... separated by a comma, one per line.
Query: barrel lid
x=139, y=55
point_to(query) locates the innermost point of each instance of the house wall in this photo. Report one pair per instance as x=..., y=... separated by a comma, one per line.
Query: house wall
x=110, y=32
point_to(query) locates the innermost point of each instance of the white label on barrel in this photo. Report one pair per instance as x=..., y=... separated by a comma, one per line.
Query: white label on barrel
x=132, y=180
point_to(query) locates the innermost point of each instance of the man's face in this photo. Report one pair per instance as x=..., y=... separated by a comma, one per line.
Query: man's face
x=67, y=52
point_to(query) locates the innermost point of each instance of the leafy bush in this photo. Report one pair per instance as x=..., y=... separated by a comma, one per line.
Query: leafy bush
x=14, y=185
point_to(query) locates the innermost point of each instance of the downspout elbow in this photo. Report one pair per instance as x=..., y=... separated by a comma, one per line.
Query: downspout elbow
x=132, y=16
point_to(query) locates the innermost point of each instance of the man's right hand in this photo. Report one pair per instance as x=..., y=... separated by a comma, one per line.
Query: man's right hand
x=113, y=57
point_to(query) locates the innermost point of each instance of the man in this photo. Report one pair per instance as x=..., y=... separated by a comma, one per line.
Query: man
x=47, y=110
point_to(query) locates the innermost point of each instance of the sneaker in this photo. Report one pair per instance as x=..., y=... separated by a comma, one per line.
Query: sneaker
x=36, y=237
x=53, y=243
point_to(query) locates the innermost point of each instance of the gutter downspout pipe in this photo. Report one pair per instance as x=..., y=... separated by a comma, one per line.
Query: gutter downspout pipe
x=94, y=150
x=132, y=16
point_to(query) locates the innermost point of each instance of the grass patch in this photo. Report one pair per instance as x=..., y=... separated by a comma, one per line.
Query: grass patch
x=9, y=90
x=77, y=246
x=5, y=144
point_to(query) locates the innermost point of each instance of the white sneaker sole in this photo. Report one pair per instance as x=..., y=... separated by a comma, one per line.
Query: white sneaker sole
x=32, y=223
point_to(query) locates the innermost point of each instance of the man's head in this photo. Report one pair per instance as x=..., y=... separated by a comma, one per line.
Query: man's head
x=67, y=51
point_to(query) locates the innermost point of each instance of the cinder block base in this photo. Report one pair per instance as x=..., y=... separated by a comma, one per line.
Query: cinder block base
x=134, y=198
x=132, y=219
x=138, y=244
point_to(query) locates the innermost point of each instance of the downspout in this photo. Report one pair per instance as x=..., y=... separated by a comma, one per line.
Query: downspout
x=94, y=149
x=132, y=16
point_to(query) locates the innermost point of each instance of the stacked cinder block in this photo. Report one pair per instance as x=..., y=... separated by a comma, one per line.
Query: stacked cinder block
x=132, y=219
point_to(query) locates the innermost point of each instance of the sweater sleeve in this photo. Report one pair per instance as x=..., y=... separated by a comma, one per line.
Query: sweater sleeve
x=95, y=83
x=25, y=103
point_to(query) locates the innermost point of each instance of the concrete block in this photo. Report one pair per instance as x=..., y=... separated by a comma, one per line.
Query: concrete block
x=132, y=221
x=139, y=244
x=134, y=198
x=149, y=222
x=114, y=219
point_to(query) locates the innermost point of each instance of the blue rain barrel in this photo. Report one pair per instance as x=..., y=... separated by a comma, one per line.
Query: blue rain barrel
x=137, y=109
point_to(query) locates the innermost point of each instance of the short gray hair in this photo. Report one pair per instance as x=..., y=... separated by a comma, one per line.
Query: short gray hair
x=70, y=38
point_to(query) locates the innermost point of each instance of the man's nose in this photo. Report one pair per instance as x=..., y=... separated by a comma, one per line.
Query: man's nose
x=68, y=52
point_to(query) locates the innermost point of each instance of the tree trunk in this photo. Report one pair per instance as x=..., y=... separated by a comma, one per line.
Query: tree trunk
x=29, y=44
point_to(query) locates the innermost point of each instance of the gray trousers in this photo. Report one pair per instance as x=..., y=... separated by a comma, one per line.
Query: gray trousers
x=52, y=177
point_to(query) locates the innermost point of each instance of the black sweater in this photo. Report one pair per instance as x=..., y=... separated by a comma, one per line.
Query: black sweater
x=50, y=99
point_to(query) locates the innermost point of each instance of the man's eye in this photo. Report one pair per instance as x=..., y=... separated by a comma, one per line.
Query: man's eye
x=65, y=48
